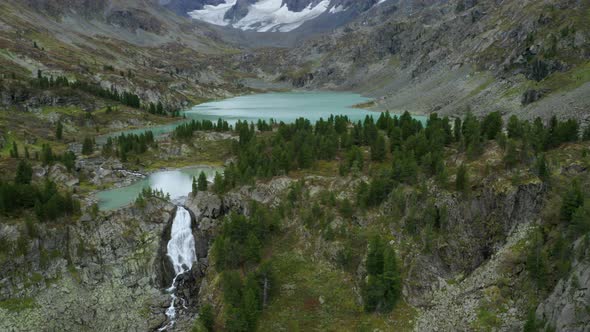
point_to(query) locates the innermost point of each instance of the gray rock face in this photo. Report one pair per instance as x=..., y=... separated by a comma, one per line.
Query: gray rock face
x=100, y=275
x=566, y=309
x=479, y=227
x=107, y=171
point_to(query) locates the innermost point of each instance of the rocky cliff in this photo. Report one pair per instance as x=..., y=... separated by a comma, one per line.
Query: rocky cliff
x=100, y=273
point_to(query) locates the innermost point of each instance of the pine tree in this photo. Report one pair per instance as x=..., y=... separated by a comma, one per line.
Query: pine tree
x=391, y=278
x=24, y=173
x=46, y=155
x=87, y=146
x=514, y=127
x=373, y=293
x=472, y=135
x=250, y=307
x=536, y=261
x=580, y=223
x=375, y=256
x=14, y=150
x=572, y=200
x=206, y=317
x=218, y=183
x=511, y=155
x=59, y=130
x=542, y=169
x=202, y=182
x=462, y=181
x=457, y=130
x=492, y=125
x=195, y=186
x=253, y=246
x=378, y=149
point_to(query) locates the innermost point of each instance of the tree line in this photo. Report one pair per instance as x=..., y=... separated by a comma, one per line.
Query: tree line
x=125, y=97
x=46, y=156
x=185, y=131
x=46, y=200
x=125, y=144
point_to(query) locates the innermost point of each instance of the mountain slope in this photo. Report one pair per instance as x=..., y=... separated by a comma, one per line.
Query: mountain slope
x=132, y=45
x=518, y=57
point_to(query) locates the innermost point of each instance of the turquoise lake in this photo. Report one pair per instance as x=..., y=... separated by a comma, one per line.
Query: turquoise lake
x=284, y=106
x=281, y=106
x=177, y=183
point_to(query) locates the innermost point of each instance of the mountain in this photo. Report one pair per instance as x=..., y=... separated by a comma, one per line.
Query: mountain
x=455, y=215
x=271, y=15
x=528, y=58
x=130, y=45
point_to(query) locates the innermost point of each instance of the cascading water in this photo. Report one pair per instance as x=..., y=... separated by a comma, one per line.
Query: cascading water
x=182, y=254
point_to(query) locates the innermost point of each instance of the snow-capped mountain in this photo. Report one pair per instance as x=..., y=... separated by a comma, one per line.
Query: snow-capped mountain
x=269, y=15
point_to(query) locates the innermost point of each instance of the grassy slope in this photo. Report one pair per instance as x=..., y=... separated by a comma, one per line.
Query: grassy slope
x=315, y=296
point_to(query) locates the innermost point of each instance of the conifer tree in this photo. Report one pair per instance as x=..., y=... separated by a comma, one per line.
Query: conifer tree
x=514, y=127
x=87, y=146
x=206, y=317
x=492, y=125
x=375, y=256
x=59, y=130
x=218, y=183
x=511, y=155
x=391, y=278
x=378, y=148
x=457, y=130
x=580, y=223
x=572, y=200
x=462, y=181
x=24, y=173
x=202, y=182
x=14, y=150
x=472, y=135
x=542, y=169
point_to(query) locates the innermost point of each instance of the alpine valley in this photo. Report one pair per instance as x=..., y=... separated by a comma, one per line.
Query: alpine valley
x=294, y=165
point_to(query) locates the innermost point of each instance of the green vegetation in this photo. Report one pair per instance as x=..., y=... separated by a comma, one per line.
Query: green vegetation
x=462, y=180
x=185, y=131
x=207, y=318
x=148, y=193
x=126, y=144
x=202, y=182
x=48, y=203
x=87, y=146
x=59, y=130
x=238, y=246
x=240, y=241
x=18, y=304
x=383, y=288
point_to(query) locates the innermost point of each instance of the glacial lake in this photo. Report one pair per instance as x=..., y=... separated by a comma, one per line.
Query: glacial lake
x=178, y=183
x=281, y=106
x=284, y=106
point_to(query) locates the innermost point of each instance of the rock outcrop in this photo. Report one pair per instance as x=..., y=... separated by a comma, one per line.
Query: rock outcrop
x=566, y=308
x=97, y=274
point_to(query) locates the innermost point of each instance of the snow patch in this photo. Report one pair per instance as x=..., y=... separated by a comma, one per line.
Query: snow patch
x=265, y=15
x=213, y=14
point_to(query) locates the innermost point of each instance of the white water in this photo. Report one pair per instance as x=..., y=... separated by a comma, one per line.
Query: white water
x=182, y=254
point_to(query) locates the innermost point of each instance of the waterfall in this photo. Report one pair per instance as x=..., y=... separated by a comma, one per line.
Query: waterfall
x=182, y=254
